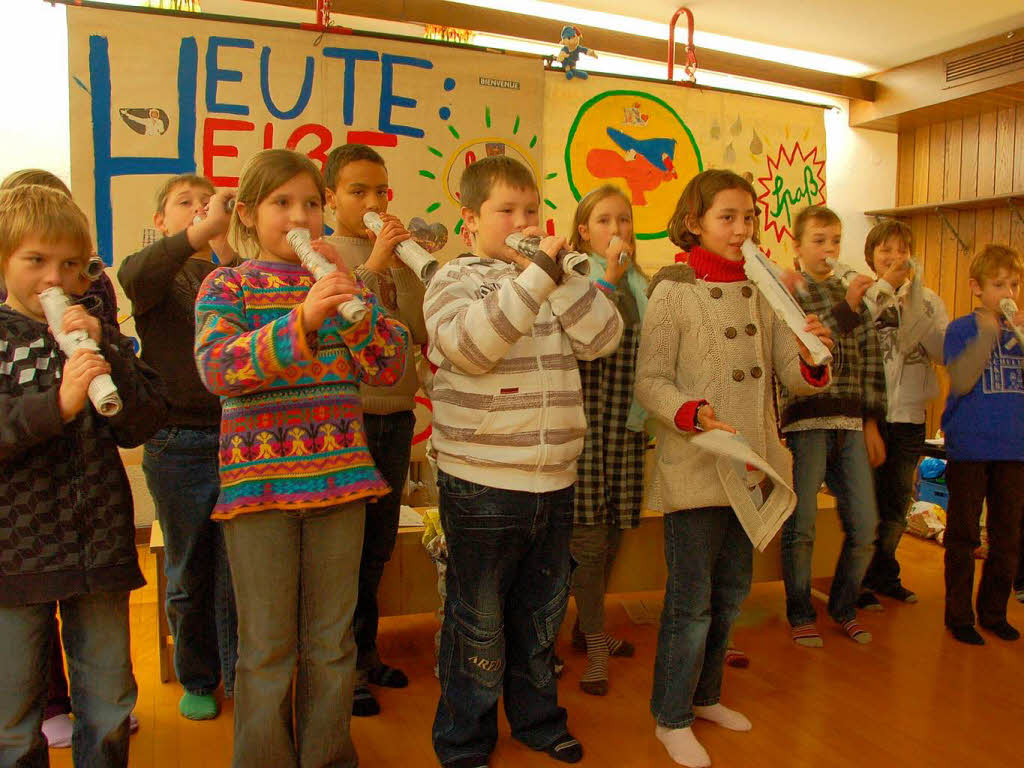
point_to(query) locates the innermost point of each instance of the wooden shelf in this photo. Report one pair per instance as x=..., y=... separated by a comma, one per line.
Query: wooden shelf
x=970, y=204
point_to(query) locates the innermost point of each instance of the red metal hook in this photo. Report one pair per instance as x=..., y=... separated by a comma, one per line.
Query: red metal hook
x=691, y=52
x=323, y=21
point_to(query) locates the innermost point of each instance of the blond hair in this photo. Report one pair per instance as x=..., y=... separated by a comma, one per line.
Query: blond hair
x=989, y=260
x=261, y=175
x=586, y=208
x=32, y=210
x=697, y=199
x=191, y=179
x=480, y=178
x=35, y=176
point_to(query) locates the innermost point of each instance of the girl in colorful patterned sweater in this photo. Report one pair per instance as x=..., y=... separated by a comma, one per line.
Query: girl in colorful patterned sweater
x=294, y=467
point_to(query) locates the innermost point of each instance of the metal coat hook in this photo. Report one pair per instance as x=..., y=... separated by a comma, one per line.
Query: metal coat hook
x=691, y=52
x=951, y=228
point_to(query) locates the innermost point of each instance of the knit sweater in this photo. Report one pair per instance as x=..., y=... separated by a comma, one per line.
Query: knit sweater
x=506, y=394
x=292, y=433
x=400, y=292
x=858, y=377
x=711, y=336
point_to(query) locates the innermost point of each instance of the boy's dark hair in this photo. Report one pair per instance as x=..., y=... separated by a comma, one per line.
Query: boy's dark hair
x=819, y=213
x=191, y=179
x=480, y=177
x=698, y=197
x=345, y=154
x=881, y=232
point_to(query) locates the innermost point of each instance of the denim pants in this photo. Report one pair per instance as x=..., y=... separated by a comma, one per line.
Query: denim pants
x=894, y=485
x=180, y=465
x=710, y=564
x=971, y=483
x=508, y=586
x=103, y=691
x=593, y=547
x=295, y=576
x=840, y=458
x=389, y=439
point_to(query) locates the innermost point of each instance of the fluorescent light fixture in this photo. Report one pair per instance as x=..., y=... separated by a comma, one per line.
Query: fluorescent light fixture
x=659, y=31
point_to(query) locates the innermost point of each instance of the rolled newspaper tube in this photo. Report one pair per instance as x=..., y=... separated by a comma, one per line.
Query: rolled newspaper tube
x=412, y=254
x=571, y=261
x=299, y=239
x=93, y=268
x=1009, y=309
x=102, y=390
x=623, y=254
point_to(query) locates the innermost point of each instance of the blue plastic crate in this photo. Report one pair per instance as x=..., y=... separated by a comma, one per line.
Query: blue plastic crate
x=934, y=493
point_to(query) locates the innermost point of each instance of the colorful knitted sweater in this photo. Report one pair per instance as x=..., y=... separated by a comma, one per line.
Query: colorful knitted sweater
x=291, y=433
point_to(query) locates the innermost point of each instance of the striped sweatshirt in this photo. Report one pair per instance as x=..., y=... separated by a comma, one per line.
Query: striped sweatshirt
x=508, y=412
x=291, y=434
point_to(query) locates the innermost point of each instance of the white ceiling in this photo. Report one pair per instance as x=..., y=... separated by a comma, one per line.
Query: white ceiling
x=879, y=33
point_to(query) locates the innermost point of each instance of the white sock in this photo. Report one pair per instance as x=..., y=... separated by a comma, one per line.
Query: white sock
x=683, y=747
x=723, y=716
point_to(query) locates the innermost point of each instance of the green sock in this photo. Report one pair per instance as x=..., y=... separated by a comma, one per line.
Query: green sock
x=194, y=706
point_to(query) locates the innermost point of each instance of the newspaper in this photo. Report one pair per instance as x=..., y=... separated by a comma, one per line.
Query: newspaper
x=759, y=497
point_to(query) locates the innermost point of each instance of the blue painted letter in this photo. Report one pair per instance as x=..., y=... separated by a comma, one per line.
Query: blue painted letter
x=214, y=74
x=350, y=56
x=304, y=92
x=388, y=99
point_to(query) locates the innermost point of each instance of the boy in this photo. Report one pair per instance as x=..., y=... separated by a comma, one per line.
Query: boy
x=833, y=435
x=66, y=517
x=357, y=182
x=505, y=333
x=911, y=323
x=180, y=461
x=984, y=427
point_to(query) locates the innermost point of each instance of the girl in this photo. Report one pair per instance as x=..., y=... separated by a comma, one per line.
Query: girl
x=609, y=490
x=708, y=352
x=295, y=471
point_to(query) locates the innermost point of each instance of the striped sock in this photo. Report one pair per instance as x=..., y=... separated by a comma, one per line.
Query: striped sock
x=617, y=647
x=857, y=632
x=807, y=635
x=595, y=676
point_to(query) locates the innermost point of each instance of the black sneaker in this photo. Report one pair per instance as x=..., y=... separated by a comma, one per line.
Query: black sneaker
x=1018, y=592
x=1003, y=630
x=899, y=592
x=967, y=634
x=566, y=749
x=868, y=602
x=364, y=703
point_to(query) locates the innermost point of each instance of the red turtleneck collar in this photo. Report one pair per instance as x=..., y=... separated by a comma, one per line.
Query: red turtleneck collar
x=714, y=268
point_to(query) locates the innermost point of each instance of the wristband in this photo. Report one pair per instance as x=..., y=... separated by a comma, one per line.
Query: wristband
x=605, y=285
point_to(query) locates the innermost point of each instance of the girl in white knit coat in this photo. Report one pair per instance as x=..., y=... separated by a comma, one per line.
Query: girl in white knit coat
x=709, y=348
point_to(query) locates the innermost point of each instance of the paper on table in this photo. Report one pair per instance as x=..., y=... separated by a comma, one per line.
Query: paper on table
x=408, y=517
x=759, y=497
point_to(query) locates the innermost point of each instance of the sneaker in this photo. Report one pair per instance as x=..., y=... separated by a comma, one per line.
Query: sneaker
x=899, y=592
x=1003, y=630
x=967, y=634
x=1018, y=592
x=868, y=602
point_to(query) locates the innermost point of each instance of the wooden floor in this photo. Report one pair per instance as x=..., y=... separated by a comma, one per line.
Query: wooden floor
x=914, y=697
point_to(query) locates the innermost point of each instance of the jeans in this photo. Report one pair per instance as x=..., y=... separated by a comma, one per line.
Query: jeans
x=295, y=576
x=710, y=564
x=971, y=483
x=180, y=465
x=389, y=438
x=508, y=586
x=103, y=691
x=894, y=485
x=840, y=458
x=593, y=547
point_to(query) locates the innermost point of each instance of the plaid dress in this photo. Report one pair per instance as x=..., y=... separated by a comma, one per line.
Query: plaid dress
x=609, y=490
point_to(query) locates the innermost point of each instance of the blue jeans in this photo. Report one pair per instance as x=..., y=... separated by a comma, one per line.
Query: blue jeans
x=295, y=579
x=710, y=565
x=103, y=691
x=840, y=458
x=389, y=438
x=180, y=465
x=894, y=485
x=508, y=586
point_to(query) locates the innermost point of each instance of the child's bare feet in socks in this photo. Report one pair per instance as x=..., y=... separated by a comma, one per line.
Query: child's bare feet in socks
x=723, y=716
x=682, y=746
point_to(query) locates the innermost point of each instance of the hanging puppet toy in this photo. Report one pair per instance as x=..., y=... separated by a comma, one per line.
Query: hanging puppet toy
x=571, y=52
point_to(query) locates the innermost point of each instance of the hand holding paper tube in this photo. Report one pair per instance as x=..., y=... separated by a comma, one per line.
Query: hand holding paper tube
x=528, y=245
x=353, y=309
x=412, y=254
x=102, y=391
x=1009, y=309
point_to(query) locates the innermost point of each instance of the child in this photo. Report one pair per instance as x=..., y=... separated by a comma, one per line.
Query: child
x=67, y=533
x=709, y=348
x=505, y=332
x=833, y=436
x=357, y=182
x=180, y=461
x=99, y=299
x=911, y=323
x=984, y=427
x=294, y=468
x=610, y=488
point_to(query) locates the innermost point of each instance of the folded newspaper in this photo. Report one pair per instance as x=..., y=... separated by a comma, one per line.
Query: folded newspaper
x=761, y=499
